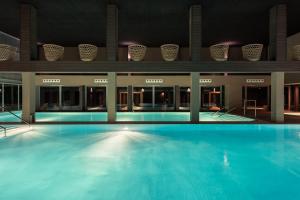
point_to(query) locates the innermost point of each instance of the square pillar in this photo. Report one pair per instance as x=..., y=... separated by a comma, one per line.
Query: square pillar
x=277, y=51
x=277, y=96
x=28, y=33
x=111, y=97
x=112, y=33
x=28, y=96
x=37, y=98
x=195, y=97
x=177, y=97
x=296, y=98
x=289, y=97
x=83, y=98
x=28, y=51
x=195, y=39
x=278, y=33
x=227, y=97
x=112, y=55
x=129, y=98
x=195, y=34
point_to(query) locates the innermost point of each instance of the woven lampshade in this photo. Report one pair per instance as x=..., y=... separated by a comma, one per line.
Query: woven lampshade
x=14, y=53
x=137, y=52
x=87, y=52
x=219, y=52
x=297, y=52
x=5, y=52
x=252, y=52
x=169, y=52
x=53, y=52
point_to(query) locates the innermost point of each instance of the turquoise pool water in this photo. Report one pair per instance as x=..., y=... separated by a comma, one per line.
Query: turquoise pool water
x=113, y=162
x=134, y=116
x=7, y=117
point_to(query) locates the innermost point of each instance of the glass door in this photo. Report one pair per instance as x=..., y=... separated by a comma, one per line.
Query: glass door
x=49, y=98
x=71, y=98
x=164, y=98
x=143, y=98
x=122, y=98
x=96, y=98
x=212, y=98
x=259, y=94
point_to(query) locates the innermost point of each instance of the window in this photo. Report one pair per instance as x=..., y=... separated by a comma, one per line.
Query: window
x=164, y=97
x=96, y=98
x=260, y=94
x=71, y=98
x=122, y=98
x=212, y=98
x=185, y=97
x=11, y=96
x=49, y=98
x=143, y=98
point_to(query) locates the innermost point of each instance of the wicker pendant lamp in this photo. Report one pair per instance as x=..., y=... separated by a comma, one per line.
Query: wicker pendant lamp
x=53, y=52
x=169, y=52
x=297, y=52
x=5, y=52
x=137, y=52
x=219, y=52
x=252, y=52
x=87, y=52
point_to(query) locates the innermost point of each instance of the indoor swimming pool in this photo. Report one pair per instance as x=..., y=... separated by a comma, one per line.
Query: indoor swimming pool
x=113, y=162
x=126, y=117
x=7, y=117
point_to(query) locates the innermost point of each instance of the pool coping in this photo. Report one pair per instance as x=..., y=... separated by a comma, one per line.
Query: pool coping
x=255, y=121
x=149, y=122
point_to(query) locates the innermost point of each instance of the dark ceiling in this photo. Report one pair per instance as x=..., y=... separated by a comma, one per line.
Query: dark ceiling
x=69, y=22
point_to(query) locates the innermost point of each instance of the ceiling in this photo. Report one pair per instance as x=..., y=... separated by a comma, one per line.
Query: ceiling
x=155, y=22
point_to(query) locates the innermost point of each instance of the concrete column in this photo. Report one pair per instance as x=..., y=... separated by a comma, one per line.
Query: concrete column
x=278, y=33
x=177, y=97
x=37, y=98
x=195, y=98
x=277, y=96
x=28, y=51
x=296, y=98
x=112, y=55
x=28, y=33
x=83, y=98
x=18, y=97
x=195, y=32
x=277, y=51
x=246, y=92
x=153, y=97
x=60, y=98
x=111, y=97
x=195, y=37
x=112, y=33
x=129, y=98
x=222, y=99
x=268, y=96
x=227, y=96
x=289, y=97
x=2, y=90
x=84, y=89
x=28, y=96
